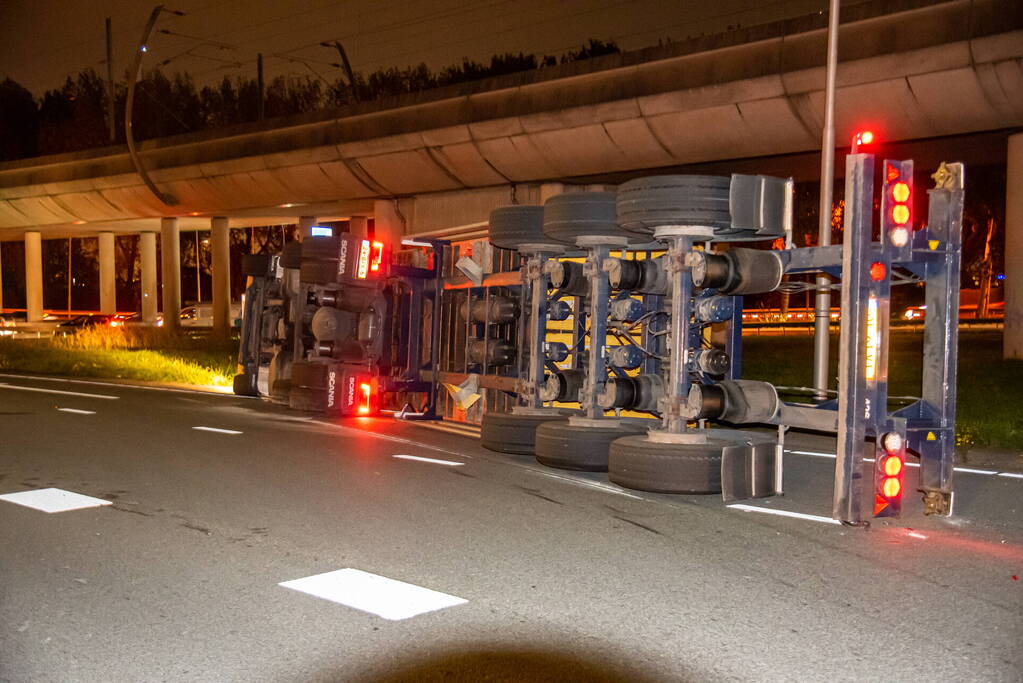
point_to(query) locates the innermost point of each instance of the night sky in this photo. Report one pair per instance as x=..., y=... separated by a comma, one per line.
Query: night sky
x=42, y=42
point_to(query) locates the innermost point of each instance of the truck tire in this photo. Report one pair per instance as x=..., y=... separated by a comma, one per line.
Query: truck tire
x=567, y=217
x=571, y=447
x=256, y=265
x=245, y=385
x=291, y=257
x=305, y=398
x=647, y=203
x=514, y=226
x=511, y=432
x=317, y=272
x=637, y=463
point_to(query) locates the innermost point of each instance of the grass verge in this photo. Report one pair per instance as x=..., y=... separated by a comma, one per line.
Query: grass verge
x=990, y=389
x=149, y=355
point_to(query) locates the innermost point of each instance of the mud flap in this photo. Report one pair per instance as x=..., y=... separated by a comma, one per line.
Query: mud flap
x=748, y=471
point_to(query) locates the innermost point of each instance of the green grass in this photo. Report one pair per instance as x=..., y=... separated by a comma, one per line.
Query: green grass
x=990, y=389
x=150, y=355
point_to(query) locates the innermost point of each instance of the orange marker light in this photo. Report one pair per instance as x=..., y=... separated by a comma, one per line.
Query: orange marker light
x=877, y=271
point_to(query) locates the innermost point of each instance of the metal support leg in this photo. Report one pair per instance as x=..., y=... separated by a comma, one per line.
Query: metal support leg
x=678, y=335
x=596, y=365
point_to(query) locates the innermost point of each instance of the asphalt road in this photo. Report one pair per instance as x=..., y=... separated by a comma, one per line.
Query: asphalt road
x=564, y=577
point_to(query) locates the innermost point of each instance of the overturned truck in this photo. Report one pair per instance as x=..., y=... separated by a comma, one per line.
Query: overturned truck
x=602, y=331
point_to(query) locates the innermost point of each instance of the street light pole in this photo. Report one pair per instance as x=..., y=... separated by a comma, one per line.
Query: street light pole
x=822, y=312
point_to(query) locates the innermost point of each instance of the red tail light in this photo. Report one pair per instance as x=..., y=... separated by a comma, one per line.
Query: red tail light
x=365, y=399
x=888, y=470
x=376, y=260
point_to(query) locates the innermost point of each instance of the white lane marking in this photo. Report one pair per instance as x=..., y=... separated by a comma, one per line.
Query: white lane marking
x=124, y=386
x=914, y=534
x=971, y=470
x=217, y=430
x=56, y=391
x=785, y=513
x=449, y=463
x=379, y=595
x=387, y=437
x=968, y=470
x=1014, y=475
x=76, y=411
x=53, y=500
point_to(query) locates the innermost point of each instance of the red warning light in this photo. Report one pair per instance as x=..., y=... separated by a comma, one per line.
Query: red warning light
x=891, y=488
x=365, y=404
x=892, y=466
x=877, y=271
x=377, y=258
x=863, y=137
x=900, y=192
x=891, y=173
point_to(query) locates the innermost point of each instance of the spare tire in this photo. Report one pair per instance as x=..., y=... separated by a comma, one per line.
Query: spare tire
x=644, y=204
x=256, y=265
x=512, y=432
x=514, y=226
x=569, y=216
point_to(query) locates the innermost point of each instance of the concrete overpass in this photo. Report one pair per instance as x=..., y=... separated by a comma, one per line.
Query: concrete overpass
x=436, y=160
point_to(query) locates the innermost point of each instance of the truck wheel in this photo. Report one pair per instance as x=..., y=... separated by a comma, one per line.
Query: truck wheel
x=647, y=203
x=637, y=463
x=256, y=265
x=571, y=447
x=318, y=272
x=513, y=226
x=291, y=257
x=567, y=217
x=511, y=432
x=245, y=385
x=304, y=398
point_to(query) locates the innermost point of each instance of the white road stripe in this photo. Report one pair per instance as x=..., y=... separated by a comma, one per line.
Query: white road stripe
x=449, y=463
x=217, y=430
x=53, y=500
x=76, y=411
x=909, y=463
x=785, y=513
x=975, y=471
x=55, y=391
x=1014, y=475
x=914, y=534
x=379, y=595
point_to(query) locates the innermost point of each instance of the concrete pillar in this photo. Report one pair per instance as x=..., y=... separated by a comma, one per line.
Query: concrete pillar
x=1012, y=337
x=388, y=226
x=305, y=226
x=107, y=274
x=147, y=245
x=1, y=276
x=170, y=260
x=221, y=238
x=34, y=276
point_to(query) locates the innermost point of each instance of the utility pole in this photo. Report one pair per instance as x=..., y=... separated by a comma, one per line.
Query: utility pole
x=111, y=95
x=349, y=74
x=261, y=86
x=822, y=313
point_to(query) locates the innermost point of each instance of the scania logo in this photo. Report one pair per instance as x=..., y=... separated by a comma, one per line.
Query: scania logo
x=331, y=381
x=342, y=263
x=351, y=392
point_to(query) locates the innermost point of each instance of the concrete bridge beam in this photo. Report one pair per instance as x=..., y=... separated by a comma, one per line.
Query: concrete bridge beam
x=107, y=274
x=147, y=245
x=221, y=238
x=170, y=253
x=34, y=276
